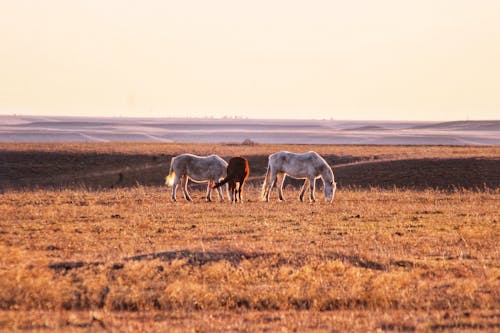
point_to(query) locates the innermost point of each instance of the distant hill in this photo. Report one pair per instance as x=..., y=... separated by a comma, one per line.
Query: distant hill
x=486, y=125
x=80, y=129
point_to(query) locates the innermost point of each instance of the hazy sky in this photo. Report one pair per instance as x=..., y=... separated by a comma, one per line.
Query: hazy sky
x=358, y=59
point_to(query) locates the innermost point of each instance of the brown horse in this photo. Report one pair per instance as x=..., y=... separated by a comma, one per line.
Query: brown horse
x=237, y=172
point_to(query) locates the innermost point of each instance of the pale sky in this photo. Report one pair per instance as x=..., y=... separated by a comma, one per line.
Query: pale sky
x=359, y=59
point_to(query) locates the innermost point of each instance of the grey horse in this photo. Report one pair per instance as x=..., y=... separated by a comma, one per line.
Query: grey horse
x=308, y=166
x=200, y=169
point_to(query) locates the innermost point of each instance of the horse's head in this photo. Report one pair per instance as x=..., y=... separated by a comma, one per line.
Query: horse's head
x=330, y=187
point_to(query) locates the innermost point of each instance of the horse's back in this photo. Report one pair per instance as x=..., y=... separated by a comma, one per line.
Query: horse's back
x=199, y=167
x=238, y=167
x=297, y=165
x=191, y=158
x=238, y=162
x=218, y=159
x=184, y=158
x=288, y=155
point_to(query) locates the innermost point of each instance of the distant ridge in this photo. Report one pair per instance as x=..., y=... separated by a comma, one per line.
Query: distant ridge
x=466, y=125
x=366, y=128
x=286, y=131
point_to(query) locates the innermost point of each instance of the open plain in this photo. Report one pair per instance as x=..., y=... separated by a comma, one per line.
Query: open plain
x=90, y=242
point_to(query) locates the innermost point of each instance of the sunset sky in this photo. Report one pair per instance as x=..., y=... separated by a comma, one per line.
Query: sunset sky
x=360, y=59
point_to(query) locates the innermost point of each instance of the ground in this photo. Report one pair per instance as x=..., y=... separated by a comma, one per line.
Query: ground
x=388, y=254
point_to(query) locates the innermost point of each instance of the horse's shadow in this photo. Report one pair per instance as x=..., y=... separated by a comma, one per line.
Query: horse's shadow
x=198, y=258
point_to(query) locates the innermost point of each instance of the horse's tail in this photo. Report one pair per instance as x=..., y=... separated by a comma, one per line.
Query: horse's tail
x=169, y=180
x=266, y=181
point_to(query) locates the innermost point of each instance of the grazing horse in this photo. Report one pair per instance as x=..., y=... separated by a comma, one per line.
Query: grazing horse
x=237, y=172
x=308, y=166
x=197, y=168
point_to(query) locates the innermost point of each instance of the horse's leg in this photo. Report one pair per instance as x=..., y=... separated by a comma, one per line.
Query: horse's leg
x=219, y=192
x=303, y=190
x=272, y=181
x=185, y=188
x=209, y=190
x=230, y=191
x=280, y=187
x=266, y=193
x=312, y=186
x=174, y=190
x=237, y=196
x=175, y=184
x=240, y=189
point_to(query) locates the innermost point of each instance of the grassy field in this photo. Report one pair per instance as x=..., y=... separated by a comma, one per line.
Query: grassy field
x=123, y=258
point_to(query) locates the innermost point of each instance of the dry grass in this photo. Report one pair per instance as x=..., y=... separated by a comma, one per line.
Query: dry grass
x=400, y=152
x=394, y=260
x=126, y=259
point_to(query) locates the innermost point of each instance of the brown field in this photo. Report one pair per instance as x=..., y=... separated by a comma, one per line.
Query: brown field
x=89, y=242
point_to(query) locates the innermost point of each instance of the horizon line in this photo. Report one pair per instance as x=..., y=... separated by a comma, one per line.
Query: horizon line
x=234, y=117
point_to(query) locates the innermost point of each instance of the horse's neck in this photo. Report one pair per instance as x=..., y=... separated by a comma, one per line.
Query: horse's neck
x=327, y=175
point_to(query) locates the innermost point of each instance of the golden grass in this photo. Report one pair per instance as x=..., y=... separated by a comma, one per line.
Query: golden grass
x=400, y=152
x=128, y=260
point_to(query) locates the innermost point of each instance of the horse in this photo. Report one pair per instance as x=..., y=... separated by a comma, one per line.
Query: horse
x=237, y=172
x=308, y=166
x=200, y=169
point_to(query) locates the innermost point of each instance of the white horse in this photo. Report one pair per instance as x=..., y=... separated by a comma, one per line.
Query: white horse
x=200, y=169
x=308, y=166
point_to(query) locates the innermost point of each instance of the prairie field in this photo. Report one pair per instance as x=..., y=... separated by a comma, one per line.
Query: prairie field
x=89, y=241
